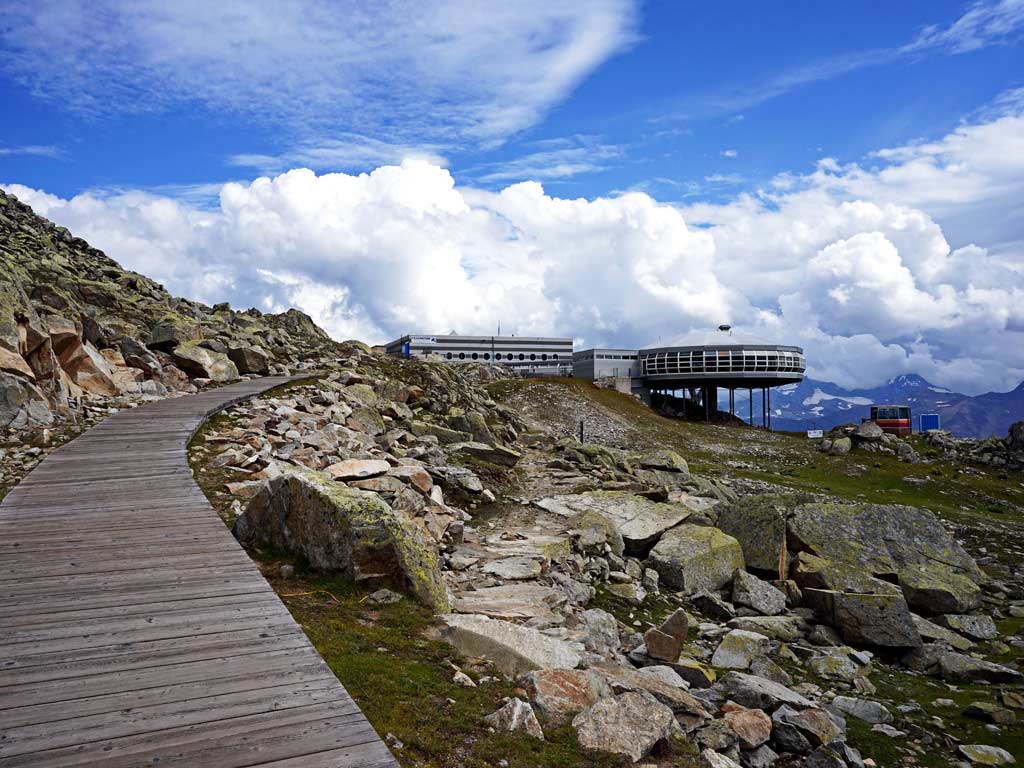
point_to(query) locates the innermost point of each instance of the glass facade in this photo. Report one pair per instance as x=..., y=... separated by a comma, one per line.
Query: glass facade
x=721, y=361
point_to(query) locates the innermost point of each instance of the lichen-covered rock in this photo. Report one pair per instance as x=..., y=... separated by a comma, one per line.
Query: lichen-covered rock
x=696, y=558
x=738, y=648
x=935, y=588
x=983, y=754
x=630, y=725
x=492, y=454
x=960, y=668
x=171, y=331
x=758, y=523
x=759, y=595
x=344, y=530
x=892, y=542
x=592, y=533
x=249, y=359
x=666, y=460
x=973, y=626
x=880, y=620
x=813, y=572
x=205, y=363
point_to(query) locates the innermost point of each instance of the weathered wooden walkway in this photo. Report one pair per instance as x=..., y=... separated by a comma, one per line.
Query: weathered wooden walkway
x=135, y=631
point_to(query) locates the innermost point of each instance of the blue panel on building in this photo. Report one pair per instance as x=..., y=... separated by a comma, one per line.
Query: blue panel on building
x=929, y=421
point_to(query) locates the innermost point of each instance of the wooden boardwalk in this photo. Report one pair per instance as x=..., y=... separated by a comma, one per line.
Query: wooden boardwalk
x=135, y=631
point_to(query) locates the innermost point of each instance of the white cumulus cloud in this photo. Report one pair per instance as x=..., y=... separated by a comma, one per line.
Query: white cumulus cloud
x=906, y=265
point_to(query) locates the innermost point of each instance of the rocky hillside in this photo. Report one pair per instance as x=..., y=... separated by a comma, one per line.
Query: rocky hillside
x=670, y=593
x=75, y=325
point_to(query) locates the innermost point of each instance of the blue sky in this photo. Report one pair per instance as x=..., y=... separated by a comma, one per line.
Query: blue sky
x=715, y=129
x=694, y=84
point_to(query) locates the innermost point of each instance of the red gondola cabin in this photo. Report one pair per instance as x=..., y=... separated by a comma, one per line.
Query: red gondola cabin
x=894, y=419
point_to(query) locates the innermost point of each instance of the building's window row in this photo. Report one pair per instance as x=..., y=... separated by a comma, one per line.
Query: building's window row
x=729, y=361
x=508, y=356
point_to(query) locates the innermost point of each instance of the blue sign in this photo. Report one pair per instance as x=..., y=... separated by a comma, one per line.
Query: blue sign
x=405, y=350
x=928, y=421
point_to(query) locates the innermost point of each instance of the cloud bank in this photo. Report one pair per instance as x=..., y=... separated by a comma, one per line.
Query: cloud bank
x=853, y=262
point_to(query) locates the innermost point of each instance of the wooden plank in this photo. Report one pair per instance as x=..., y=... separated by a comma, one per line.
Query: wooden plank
x=134, y=629
x=240, y=741
x=53, y=714
x=105, y=659
x=250, y=667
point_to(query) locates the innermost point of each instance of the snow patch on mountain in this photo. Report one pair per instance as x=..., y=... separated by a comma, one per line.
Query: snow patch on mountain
x=820, y=396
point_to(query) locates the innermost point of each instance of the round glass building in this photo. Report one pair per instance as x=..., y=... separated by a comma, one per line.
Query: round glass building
x=703, y=362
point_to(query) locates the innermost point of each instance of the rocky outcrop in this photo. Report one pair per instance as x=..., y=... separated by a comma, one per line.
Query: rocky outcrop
x=900, y=543
x=85, y=328
x=343, y=530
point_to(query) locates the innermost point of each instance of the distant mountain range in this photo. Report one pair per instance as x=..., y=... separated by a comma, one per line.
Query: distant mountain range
x=814, y=404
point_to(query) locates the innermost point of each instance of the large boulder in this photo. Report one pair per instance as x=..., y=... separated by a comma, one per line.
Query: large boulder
x=87, y=368
x=740, y=647
x=756, y=692
x=512, y=648
x=341, y=529
x=868, y=432
x=638, y=520
x=136, y=355
x=204, y=363
x=492, y=454
x=171, y=331
x=758, y=523
x=752, y=592
x=630, y=724
x=894, y=543
x=864, y=619
x=249, y=359
x=696, y=558
x=559, y=693
x=21, y=403
x=960, y=668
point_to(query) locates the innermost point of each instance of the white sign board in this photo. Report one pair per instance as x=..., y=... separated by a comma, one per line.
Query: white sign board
x=813, y=433
x=424, y=339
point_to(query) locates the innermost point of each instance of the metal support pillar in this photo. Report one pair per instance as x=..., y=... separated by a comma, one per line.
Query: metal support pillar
x=764, y=411
x=750, y=402
x=769, y=409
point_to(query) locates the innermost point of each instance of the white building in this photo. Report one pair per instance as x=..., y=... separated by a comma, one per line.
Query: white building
x=521, y=352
